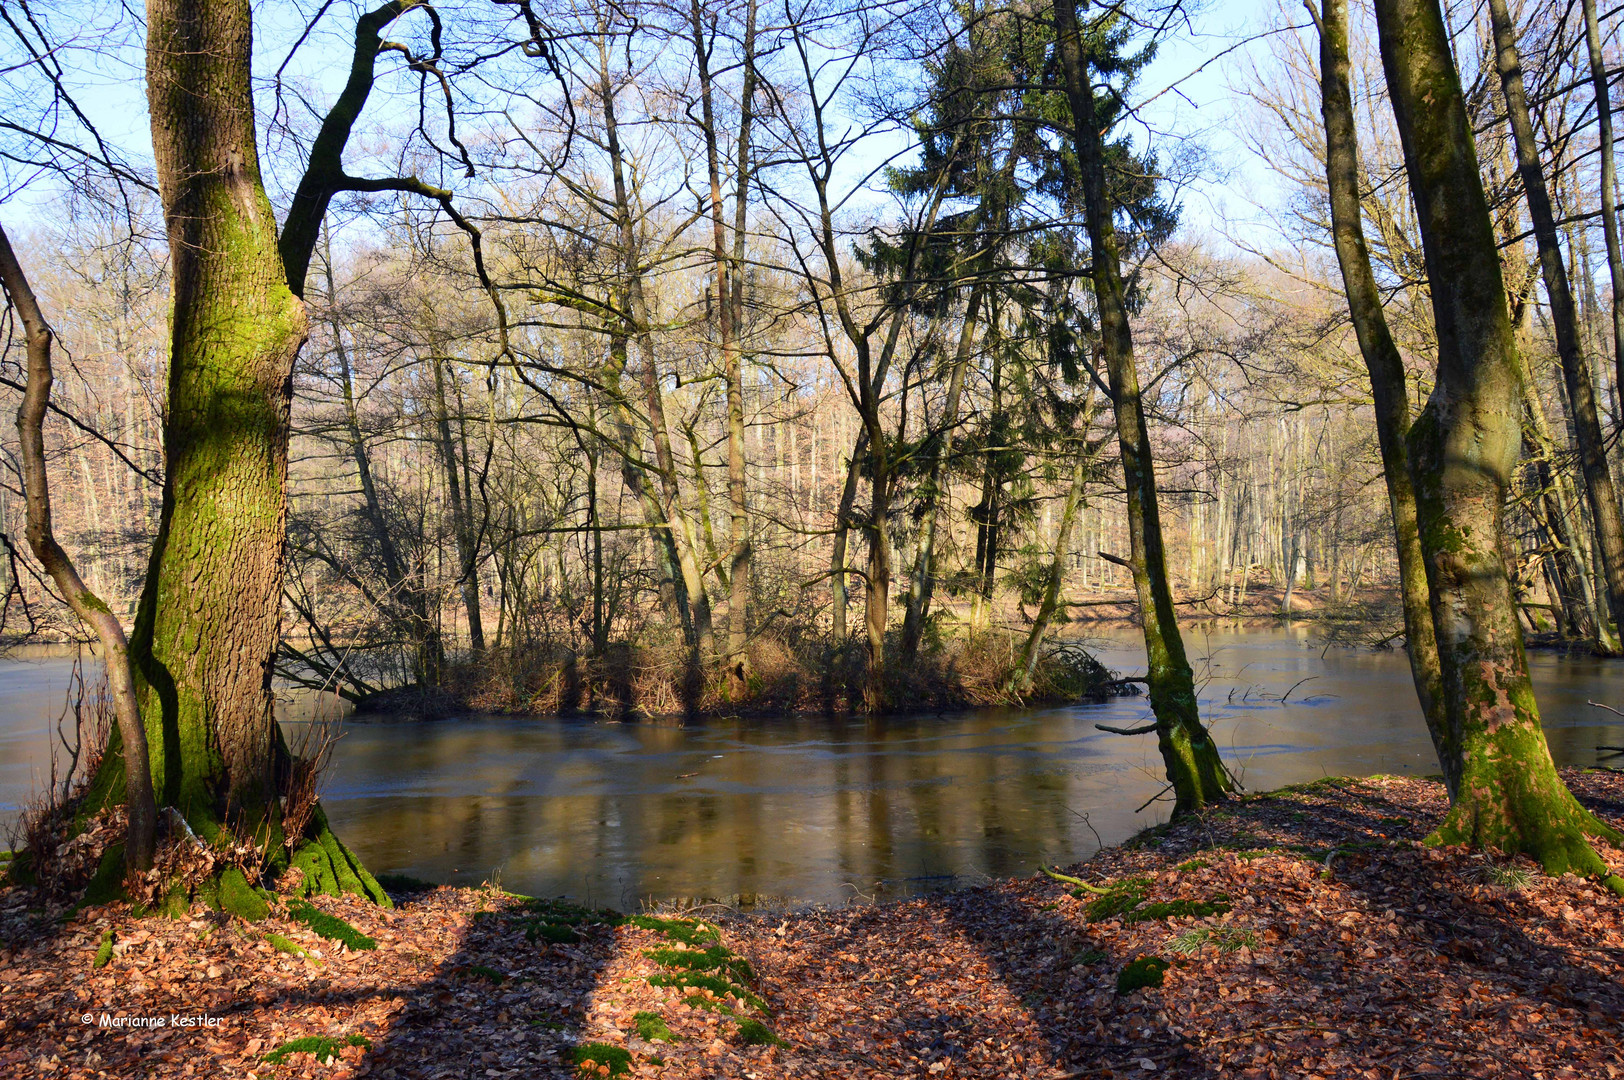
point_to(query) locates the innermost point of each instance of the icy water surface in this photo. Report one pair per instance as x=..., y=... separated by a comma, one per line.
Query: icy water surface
x=824, y=810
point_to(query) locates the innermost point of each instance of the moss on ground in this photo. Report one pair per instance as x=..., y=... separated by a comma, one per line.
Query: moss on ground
x=755, y=1033
x=323, y=1048
x=104, y=950
x=690, y=980
x=289, y=946
x=687, y=931
x=594, y=1060
x=717, y=958
x=1143, y=972
x=404, y=884
x=651, y=1027
x=329, y=926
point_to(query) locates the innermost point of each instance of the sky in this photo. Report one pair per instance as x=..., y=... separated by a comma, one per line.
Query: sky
x=1188, y=90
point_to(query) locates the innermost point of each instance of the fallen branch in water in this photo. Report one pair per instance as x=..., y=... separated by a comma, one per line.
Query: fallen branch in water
x=1142, y=730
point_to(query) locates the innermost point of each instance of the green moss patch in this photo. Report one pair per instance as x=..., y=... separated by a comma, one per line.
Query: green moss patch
x=1177, y=909
x=691, y=980
x=289, y=946
x=755, y=1033
x=488, y=973
x=1124, y=896
x=239, y=898
x=716, y=958
x=558, y=922
x=329, y=926
x=651, y=1027
x=104, y=950
x=553, y=933
x=1143, y=972
x=687, y=931
x=321, y=1047
x=600, y=1059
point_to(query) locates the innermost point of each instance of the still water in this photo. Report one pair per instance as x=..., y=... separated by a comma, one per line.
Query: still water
x=827, y=810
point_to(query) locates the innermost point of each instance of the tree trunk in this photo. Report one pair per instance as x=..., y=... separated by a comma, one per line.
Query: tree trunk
x=1609, y=200
x=922, y=582
x=141, y=809
x=462, y=523
x=1389, y=390
x=1603, y=500
x=1083, y=463
x=1504, y=788
x=842, y=534
x=729, y=309
x=1193, y=766
x=206, y=632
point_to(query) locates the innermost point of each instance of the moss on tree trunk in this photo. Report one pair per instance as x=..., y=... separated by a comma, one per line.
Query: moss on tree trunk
x=1504, y=788
x=1191, y=758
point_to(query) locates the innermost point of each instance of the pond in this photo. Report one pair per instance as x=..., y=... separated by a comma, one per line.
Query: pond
x=801, y=809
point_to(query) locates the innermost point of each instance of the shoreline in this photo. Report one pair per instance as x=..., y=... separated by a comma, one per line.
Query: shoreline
x=1305, y=932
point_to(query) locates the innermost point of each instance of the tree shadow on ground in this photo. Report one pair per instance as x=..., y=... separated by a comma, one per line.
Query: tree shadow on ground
x=1369, y=953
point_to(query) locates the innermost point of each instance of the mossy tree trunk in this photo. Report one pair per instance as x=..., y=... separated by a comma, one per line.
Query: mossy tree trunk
x=207, y=628
x=1191, y=757
x=1599, y=491
x=208, y=623
x=1389, y=390
x=1505, y=792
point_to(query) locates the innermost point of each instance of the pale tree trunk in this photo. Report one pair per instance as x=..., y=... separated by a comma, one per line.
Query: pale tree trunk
x=140, y=807
x=404, y=596
x=1194, y=768
x=729, y=292
x=1504, y=789
x=1082, y=464
x=1609, y=198
x=922, y=581
x=462, y=523
x=1560, y=517
x=1389, y=389
x=679, y=529
x=842, y=534
x=1603, y=500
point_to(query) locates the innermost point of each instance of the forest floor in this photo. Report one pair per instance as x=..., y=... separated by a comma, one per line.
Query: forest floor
x=1307, y=934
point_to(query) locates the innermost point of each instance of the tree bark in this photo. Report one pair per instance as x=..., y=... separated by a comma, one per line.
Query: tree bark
x=206, y=632
x=462, y=524
x=1599, y=492
x=1504, y=788
x=140, y=806
x=922, y=582
x=1191, y=757
x=728, y=288
x=1082, y=464
x=1609, y=198
x=1388, y=387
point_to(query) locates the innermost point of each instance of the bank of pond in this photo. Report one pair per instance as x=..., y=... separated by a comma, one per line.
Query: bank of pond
x=1307, y=931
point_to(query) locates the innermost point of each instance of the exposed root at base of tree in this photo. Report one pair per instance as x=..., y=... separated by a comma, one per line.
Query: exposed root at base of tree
x=1302, y=933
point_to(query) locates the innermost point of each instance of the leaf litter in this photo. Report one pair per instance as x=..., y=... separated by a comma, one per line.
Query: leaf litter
x=1301, y=933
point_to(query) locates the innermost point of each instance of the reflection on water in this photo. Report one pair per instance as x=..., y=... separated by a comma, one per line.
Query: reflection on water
x=814, y=809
